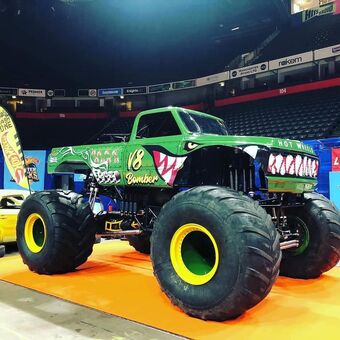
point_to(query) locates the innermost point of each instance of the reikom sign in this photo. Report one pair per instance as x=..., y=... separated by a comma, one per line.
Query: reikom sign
x=292, y=60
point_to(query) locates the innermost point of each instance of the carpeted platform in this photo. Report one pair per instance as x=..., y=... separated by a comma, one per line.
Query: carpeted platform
x=119, y=281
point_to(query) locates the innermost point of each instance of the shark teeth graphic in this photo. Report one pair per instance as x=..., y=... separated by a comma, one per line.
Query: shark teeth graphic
x=168, y=166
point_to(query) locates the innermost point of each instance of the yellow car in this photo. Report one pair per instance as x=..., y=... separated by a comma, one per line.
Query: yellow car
x=10, y=203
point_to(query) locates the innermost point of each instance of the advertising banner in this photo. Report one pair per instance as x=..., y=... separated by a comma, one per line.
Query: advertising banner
x=160, y=88
x=135, y=90
x=32, y=93
x=11, y=148
x=249, y=70
x=213, y=78
x=184, y=84
x=334, y=188
x=8, y=91
x=35, y=164
x=327, y=52
x=111, y=92
x=291, y=60
x=318, y=11
x=335, y=159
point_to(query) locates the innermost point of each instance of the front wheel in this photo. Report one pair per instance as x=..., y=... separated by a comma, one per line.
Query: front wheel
x=318, y=224
x=55, y=231
x=215, y=252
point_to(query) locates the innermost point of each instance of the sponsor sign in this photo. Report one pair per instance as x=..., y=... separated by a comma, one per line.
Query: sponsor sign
x=335, y=159
x=11, y=148
x=31, y=93
x=50, y=93
x=92, y=92
x=249, y=70
x=35, y=165
x=291, y=60
x=135, y=90
x=160, y=88
x=183, y=84
x=334, y=188
x=111, y=92
x=318, y=11
x=8, y=91
x=327, y=52
x=213, y=78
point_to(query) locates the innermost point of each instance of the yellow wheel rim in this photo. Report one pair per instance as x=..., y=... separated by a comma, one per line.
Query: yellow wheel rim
x=35, y=233
x=194, y=254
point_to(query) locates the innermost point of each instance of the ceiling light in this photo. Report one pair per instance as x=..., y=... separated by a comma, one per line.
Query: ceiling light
x=121, y=97
x=235, y=28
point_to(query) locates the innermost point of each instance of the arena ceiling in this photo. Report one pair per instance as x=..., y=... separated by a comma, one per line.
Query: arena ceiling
x=94, y=43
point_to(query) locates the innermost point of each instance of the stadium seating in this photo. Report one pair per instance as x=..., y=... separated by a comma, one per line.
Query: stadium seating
x=315, y=34
x=310, y=115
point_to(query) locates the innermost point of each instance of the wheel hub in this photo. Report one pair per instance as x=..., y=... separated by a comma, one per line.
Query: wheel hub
x=35, y=233
x=194, y=254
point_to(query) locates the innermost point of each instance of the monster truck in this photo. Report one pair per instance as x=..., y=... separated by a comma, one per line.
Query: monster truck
x=222, y=214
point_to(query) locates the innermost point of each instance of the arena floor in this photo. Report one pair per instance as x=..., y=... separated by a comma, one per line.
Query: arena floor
x=117, y=285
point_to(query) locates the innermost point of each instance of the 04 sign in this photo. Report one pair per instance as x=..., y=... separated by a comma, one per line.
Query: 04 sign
x=335, y=159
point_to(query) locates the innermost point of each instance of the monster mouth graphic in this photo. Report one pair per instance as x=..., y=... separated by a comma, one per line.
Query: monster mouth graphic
x=167, y=166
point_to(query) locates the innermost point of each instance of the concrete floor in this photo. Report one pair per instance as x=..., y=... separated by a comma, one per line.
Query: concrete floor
x=26, y=314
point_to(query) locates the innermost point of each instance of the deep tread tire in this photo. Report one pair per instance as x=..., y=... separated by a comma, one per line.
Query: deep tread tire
x=140, y=242
x=70, y=231
x=248, y=245
x=322, y=219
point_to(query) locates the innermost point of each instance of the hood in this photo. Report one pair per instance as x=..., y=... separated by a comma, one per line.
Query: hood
x=242, y=142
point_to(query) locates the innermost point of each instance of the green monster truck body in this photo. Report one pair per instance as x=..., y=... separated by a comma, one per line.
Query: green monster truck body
x=220, y=210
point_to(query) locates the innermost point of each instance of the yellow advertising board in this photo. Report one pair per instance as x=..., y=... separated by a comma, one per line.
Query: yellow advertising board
x=11, y=149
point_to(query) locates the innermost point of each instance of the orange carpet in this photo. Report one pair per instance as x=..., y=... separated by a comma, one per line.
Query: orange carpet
x=119, y=281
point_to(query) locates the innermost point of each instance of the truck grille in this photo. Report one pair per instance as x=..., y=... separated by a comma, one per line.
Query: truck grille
x=294, y=165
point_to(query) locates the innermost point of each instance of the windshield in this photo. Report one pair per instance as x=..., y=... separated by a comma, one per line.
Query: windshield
x=204, y=125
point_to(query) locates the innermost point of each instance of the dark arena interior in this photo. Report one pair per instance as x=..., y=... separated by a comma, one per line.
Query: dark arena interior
x=203, y=133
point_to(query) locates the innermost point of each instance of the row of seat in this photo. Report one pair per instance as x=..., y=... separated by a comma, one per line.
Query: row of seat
x=310, y=115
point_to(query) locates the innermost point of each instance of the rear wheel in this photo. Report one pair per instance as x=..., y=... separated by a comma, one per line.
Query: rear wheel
x=318, y=224
x=55, y=231
x=215, y=252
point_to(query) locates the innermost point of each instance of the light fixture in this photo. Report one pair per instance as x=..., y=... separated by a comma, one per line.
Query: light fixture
x=121, y=97
x=235, y=28
x=222, y=83
x=14, y=97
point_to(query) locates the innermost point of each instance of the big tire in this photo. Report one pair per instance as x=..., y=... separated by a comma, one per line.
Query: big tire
x=215, y=252
x=55, y=231
x=140, y=242
x=318, y=223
